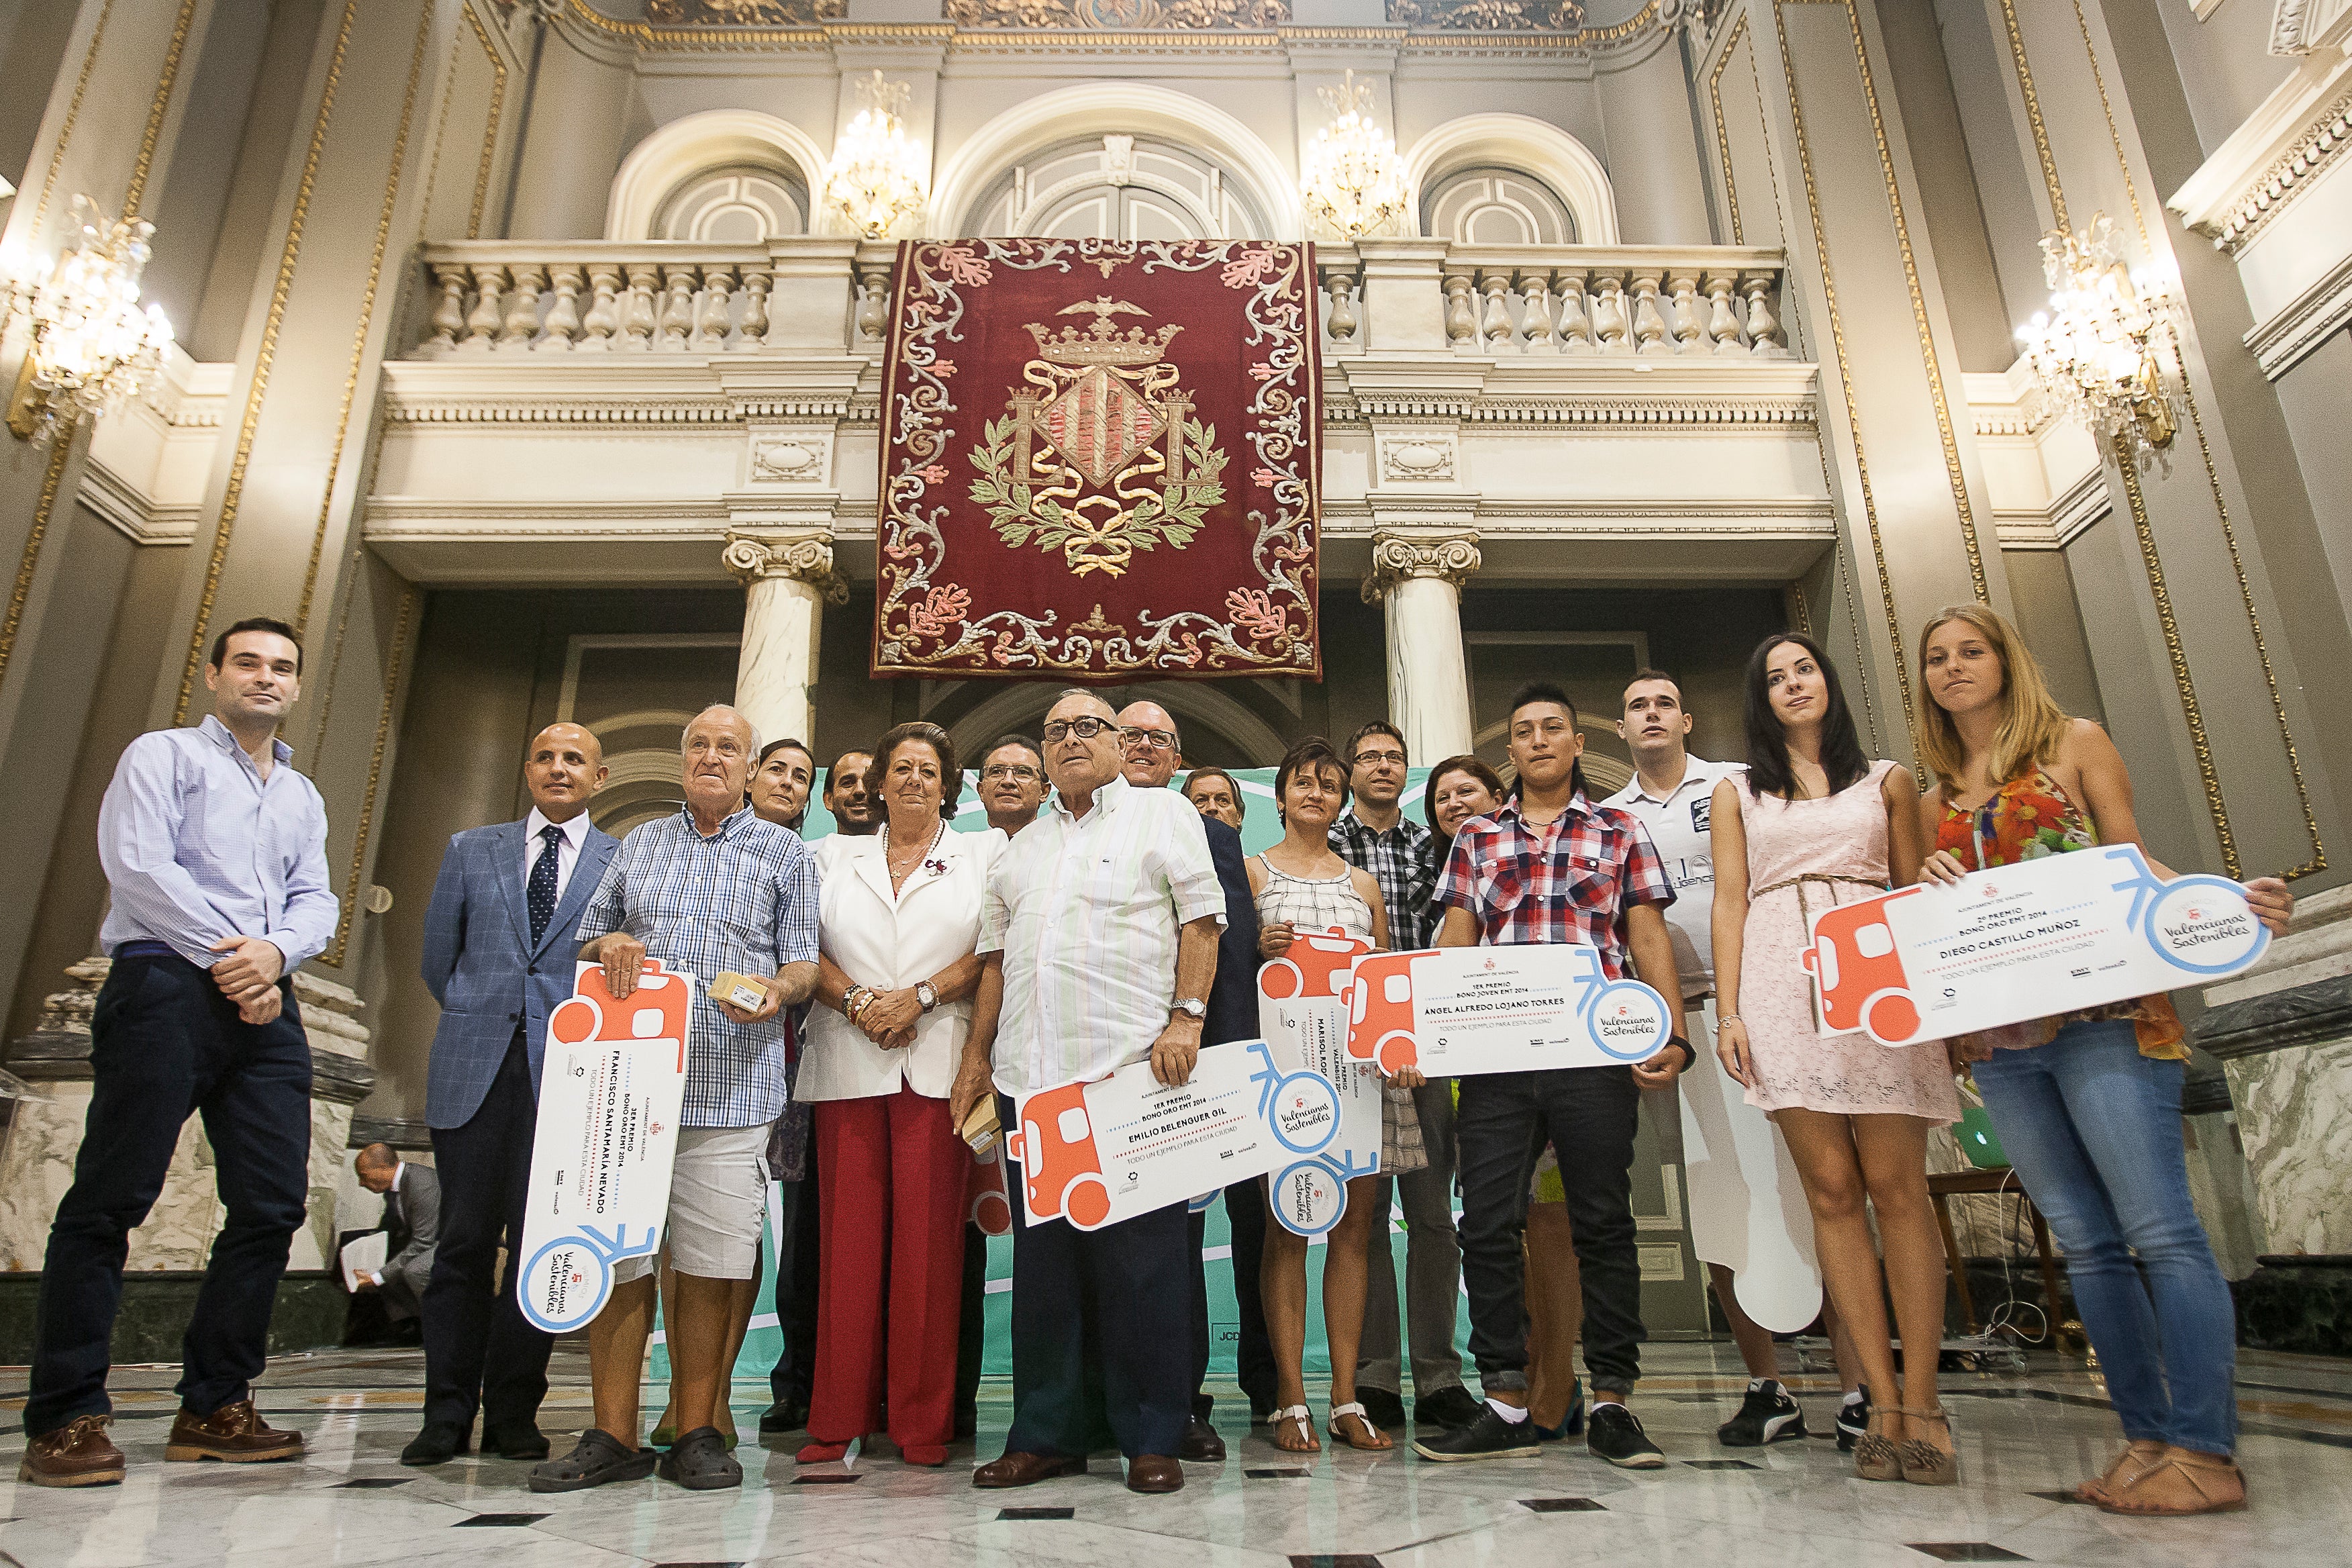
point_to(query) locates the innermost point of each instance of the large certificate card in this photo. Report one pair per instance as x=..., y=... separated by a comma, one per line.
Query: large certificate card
x=609, y=1093
x=2024, y=941
x=1457, y=1011
x=1096, y=1153
x=1302, y=1010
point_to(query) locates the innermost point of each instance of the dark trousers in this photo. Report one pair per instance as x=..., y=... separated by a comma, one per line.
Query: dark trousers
x=971, y=1330
x=1130, y=1279
x=1254, y=1355
x=792, y=1379
x=481, y=1351
x=164, y=1043
x=1587, y=1115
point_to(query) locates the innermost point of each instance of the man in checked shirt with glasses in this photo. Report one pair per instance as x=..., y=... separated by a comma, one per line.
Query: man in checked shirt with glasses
x=1548, y=865
x=709, y=889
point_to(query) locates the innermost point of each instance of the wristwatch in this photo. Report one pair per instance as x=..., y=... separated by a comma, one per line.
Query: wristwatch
x=1192, y=1008
x=926, y=994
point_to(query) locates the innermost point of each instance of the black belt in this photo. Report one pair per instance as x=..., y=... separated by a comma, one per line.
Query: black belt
x=147, y=950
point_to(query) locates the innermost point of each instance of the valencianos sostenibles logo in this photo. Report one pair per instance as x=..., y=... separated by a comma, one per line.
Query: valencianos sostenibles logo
x=1100, y=459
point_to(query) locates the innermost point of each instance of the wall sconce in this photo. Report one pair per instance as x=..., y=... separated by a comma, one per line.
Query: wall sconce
x=875, y=176
x=2108, y=347
x=91, y=347
x=1352, y=179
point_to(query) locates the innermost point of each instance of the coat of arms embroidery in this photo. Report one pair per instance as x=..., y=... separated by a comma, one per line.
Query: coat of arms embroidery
x=1097, y=455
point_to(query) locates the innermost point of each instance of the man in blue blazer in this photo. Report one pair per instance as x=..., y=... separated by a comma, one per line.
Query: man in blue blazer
x=499, y=938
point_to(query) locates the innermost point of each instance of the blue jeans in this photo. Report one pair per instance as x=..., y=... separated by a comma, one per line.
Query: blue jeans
x=2093, y=1129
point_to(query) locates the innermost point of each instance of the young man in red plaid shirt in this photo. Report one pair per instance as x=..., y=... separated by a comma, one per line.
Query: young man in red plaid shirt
x=1549, y=865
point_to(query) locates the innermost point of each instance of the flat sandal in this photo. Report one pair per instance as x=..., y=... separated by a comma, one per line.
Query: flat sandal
x=1356, y=1410
x=1924, y=1464
x=1306, y=1419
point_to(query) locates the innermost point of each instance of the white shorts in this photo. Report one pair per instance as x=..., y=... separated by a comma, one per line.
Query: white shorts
x=718, y=1198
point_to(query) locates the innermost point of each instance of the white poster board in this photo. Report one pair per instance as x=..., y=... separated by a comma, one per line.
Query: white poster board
x=1457, y=1011
x=1302, y=1010
x=609, y=1092
x=2024, y=941
x=1748, y=1209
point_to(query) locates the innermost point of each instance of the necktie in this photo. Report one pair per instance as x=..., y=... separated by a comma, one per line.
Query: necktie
x=541, y=893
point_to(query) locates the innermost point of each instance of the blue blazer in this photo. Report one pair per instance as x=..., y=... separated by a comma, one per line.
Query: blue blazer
x=485, y=971
x=1233, y=998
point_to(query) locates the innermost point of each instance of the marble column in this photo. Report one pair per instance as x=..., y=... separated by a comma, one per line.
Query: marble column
x=1417, y=579
x=788, y=579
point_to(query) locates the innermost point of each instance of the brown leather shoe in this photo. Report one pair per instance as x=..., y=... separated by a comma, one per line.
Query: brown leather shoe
x=1027, y=1469
x=1200, y=1445
x=235, y=1433
x=1154, y=1473
x=76, y=1454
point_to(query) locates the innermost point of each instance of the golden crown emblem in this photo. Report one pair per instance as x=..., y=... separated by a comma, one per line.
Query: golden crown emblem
x=1101, y=343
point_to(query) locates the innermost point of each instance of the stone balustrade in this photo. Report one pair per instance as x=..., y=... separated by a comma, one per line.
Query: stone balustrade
x=506, y=297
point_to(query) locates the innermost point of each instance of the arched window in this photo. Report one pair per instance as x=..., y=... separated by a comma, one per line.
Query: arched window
x=1116, y=187
x=740, y=204
x=1496, y=206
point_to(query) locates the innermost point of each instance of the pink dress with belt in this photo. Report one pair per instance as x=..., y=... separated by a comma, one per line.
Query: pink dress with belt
x=1802, y=857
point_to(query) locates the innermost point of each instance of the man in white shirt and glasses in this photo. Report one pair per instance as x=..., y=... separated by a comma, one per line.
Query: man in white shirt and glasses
x=1100, y=932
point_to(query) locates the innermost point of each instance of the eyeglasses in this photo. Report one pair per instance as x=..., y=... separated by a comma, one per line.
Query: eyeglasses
x=1085, y=728
x=1378, y=757
x=1158, y=739
x=997, y=771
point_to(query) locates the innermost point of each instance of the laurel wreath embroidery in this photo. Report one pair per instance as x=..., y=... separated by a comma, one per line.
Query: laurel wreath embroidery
x=1098, y=532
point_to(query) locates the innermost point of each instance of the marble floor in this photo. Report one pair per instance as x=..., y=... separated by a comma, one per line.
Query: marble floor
x=2024, y=1437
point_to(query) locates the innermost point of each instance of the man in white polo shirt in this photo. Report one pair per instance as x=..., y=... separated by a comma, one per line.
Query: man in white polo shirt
x=1670, y=794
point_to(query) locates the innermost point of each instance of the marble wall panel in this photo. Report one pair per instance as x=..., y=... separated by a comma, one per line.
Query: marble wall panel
x=2295, y=1110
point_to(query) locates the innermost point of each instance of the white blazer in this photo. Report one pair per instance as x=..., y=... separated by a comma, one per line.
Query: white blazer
x=889, y=944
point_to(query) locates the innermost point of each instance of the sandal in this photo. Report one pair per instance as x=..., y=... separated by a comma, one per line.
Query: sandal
x=1924, y=1464
x=1281, y=1422
x=2140, y=1456
x=1876, y=1457
x=2182, y=1482
x=1356, y=1410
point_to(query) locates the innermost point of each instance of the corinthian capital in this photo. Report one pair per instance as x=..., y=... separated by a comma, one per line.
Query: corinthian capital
x=804, y=557
x=1397, y=558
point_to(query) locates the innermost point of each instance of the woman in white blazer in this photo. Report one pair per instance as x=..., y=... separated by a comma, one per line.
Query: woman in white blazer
x=899, y=916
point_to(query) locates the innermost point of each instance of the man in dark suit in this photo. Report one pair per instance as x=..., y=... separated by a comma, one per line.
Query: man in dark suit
x=1154, y=753
x=412, y=1222
x=498, y=943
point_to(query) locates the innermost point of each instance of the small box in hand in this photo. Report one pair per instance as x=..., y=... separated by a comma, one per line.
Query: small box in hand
x=980, y=1126
x=739, y=991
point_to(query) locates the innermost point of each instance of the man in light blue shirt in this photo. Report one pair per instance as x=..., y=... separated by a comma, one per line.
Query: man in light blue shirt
x=215, y=850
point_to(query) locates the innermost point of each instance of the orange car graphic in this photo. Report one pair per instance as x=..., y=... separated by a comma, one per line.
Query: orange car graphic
x=657, y=1010
x=1379, y=1011
x=1858, y=971
x=1055, y=1147
x=1317, y=964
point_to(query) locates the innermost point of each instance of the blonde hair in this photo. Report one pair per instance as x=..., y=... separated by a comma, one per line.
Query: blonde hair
x=2031, y=722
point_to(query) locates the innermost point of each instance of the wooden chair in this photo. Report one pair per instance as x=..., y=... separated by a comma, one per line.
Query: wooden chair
x=2000, y=1182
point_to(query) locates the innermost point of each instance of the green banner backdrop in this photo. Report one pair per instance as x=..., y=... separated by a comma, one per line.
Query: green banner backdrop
x=1260, y=830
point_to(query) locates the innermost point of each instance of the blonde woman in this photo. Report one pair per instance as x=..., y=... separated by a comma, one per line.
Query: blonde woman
x=2088, y=1103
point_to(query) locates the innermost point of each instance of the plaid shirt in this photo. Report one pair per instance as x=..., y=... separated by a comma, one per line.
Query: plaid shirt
x=1403, y=861
x=1571, y=880
x=744, y=899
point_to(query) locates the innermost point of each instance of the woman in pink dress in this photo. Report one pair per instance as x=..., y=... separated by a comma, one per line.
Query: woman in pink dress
x=1817, y=823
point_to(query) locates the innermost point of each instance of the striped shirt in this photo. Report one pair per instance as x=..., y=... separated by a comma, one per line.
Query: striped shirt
x=743, y=898
x=1404, y=862
x=1086, y=912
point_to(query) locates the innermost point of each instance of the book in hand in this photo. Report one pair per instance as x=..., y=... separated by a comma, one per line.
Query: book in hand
x=364, y=1256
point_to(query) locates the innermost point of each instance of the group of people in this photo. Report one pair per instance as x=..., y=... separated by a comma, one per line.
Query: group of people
x=908, y=975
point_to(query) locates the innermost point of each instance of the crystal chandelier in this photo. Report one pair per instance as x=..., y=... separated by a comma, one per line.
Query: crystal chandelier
x=1353, y=179
x=876, y=175
x=2108, y=347
x=91, y=345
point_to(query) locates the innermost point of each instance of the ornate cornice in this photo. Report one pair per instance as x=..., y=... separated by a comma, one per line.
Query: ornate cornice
x=1397, y=558
x=804, y=557
x=1120, y=16
x=744, y=12
x=1490, y=16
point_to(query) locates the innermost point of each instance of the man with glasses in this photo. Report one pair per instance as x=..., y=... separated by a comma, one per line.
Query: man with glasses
x=1098, y=933
x=1154, y=752
x=1012, y=783
x=1376, y=835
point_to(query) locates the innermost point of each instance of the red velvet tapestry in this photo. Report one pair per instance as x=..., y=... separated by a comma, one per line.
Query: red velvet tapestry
x=1100, y=460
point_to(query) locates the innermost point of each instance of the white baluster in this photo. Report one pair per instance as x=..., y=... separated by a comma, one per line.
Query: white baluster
x=1496, y=326
x=1609, y=323
x=449, y=314
x=640, y=317
x=1763, y=325
x=754, y=333
x=1575, y=329
x=1535, y=324
x=1341, y=322
x=677, y=314
x=1461, y=316
x=482, y=326
x=603, y=317
x=564, y=316
x=711, y=316
x=522, y=308
x=1723, y=322
x=1684, y=286
x=873, y=301
x=1649, y=327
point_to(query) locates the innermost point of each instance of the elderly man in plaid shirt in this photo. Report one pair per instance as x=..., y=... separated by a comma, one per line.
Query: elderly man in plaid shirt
x=1401, y=855
x=1551, y=867
x=709, y=889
